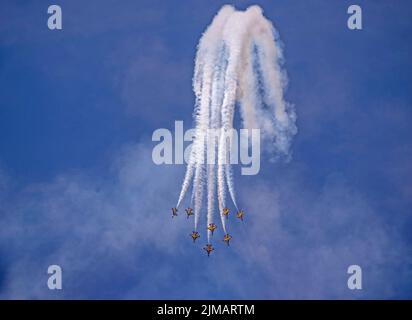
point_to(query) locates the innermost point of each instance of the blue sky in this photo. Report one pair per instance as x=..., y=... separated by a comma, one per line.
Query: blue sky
x=78, y=187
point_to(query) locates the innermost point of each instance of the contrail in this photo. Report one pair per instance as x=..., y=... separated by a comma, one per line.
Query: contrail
x=238, y=62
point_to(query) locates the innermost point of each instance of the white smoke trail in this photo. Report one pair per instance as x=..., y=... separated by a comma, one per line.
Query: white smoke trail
x=211, y=186
x=239, y=60
x=205, y=59
x=217, y=93
x=230, y=184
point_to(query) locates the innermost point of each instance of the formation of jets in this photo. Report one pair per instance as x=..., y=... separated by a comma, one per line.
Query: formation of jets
x=211, y=227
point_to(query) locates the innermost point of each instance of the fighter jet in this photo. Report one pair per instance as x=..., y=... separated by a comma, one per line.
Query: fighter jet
x=195, y=235
x=212, y=227
x=227, y=238
x=240, y=214
x=174, y=212
x=209, y=248
x=189, y=212
x=226, y=212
